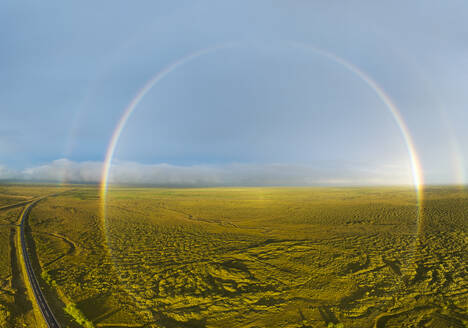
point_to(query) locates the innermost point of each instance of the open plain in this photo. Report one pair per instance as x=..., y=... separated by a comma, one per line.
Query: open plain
x=239, y=257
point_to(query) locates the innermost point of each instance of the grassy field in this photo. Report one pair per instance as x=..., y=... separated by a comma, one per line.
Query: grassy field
x=250, y=257
x=15, y=305
x=12, y=194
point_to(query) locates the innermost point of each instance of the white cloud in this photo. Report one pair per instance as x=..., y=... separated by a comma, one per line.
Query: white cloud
x=64, y=170
x=8, y=174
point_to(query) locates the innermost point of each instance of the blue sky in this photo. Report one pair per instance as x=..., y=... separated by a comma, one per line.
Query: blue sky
x=261, y=112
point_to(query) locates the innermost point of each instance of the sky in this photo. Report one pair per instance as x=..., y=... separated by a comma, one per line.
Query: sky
x=252, y=94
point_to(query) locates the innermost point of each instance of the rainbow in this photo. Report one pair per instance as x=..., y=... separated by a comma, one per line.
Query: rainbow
x=379, y=91
x=134, y=103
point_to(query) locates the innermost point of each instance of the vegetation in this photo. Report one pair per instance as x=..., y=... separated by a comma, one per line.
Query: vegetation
x=15, y=307
x=252, y=257
x=72, y=310
x=12, y=194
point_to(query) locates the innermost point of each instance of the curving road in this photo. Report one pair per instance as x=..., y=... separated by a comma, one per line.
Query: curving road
x=7, y=207
x=38, y=295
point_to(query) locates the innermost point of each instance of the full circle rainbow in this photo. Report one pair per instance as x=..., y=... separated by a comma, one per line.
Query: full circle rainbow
x=378, y=90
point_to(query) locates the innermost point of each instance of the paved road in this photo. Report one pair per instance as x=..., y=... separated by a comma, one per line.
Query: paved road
x=41, y=301
x=7, y=207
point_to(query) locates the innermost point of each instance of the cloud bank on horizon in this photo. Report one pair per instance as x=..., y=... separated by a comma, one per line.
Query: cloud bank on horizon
x=68, y=73
x=132, y=173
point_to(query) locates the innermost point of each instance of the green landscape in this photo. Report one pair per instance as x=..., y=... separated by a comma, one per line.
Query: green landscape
x=233, y=164
x=237, y=257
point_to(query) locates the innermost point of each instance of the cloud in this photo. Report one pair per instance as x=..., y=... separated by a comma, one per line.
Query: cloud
x=8, y=174
x=64, y=170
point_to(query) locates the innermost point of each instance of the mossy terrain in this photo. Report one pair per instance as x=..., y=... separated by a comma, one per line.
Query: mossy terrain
x=16, y=309
x=253, y=257
x=13, y=194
